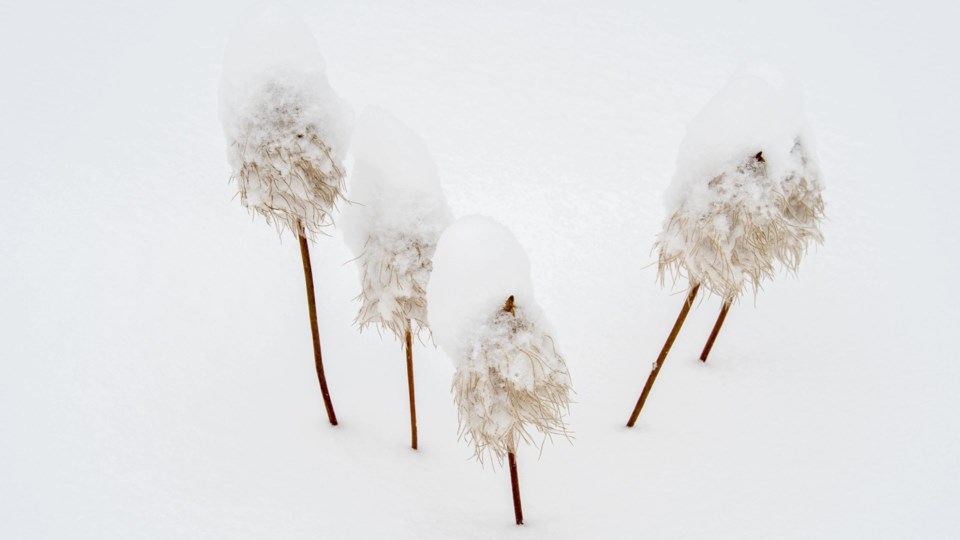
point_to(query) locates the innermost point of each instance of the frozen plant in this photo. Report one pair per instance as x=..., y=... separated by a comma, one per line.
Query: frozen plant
x=509, y=375
x=512, y=377
x=747, y=191
x=397, y=216
x=746, y=196
x=393, y=227
x=286, y=133
x=286, y=128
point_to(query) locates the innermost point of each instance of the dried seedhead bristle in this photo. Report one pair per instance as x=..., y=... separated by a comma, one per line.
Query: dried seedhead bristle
x=753, y=221
x=285, y=170
x=394, y=273
x=513, y=379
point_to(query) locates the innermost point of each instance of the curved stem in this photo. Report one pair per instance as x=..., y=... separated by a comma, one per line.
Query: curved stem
x=314, y=327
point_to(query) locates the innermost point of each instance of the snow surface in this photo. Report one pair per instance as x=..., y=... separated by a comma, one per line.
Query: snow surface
x=156, y=374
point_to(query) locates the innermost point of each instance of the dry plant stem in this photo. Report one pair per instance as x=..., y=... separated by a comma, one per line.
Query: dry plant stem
x=410, y=387
x=663, y=354
x=515, y=484
x=715, y=331
x=509, y=307
x=312, y=305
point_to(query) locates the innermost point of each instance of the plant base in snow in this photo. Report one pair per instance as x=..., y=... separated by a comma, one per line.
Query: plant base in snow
x=715, y=331
x=663, y=354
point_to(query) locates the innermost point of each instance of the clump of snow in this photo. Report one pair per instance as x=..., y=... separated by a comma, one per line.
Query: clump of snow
x=509, y=375
x=398, y=214
x=747, y=190
x=478, y=264
x=286, y=128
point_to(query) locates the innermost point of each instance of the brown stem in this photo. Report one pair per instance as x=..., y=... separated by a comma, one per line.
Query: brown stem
x=413, y=401
x=515, y=484
x=715, y=331
x=663, y=354
x=510, y=307
x=314, y=328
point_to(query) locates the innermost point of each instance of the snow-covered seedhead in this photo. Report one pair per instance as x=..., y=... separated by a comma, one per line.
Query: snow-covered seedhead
x=286, y=129
x=398, y=216
x=747, y=192
x=509, y=376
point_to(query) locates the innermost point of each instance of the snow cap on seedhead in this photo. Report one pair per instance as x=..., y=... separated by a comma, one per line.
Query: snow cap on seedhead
x=398, y=214
x=509, y=376
x=747, y=192
x=286, y=129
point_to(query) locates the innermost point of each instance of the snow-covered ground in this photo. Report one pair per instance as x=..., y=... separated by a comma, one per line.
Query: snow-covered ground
x=156, y=378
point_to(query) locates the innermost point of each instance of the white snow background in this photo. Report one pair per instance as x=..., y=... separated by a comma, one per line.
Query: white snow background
x=157, y=380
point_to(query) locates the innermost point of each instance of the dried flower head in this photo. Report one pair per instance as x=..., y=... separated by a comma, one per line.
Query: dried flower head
x=394, y=274
x=394, y=227
x=731, y=231
x=512, y=379
x=285, y=170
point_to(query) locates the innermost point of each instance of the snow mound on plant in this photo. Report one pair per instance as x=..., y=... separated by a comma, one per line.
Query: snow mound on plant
x=398, y=213
x=747, y=190
x=477, y=266
x=509, y=377
x=286, y=128
x=759, y=110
